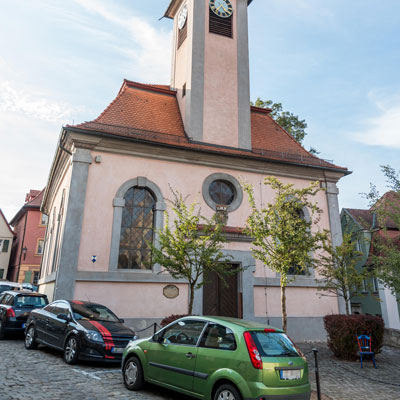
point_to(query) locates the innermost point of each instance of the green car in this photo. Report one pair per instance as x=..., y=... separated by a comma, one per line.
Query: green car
x=218, y=358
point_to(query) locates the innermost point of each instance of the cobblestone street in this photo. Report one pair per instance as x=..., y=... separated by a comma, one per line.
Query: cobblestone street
x=42, y=374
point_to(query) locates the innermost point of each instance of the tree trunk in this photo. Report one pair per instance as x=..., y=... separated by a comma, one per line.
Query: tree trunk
x=347, y=305
x=283, y=305
x=191, y=298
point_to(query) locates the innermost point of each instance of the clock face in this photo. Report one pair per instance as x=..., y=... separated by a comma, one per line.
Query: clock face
x=182, y=17
x=222, y=8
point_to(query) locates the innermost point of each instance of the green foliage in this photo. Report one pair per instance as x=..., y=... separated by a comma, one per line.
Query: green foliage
x=337, y=267
x=386, y=244
x=185, y=251
x=282, y=237
x=343, y=331
x=287, y=120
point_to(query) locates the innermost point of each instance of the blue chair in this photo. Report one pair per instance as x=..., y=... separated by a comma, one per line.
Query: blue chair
x=364, y=345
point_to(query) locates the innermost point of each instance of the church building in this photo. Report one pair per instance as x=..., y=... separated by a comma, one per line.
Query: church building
x=110, y=178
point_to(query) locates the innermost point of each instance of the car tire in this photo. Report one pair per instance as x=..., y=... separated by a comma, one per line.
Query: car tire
x=71, y=350
x=30, y=338
x=133, y=374
x=2, y=333
x=227, y=392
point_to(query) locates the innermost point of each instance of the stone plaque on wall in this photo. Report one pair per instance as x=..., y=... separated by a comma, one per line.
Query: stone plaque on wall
x=171, y=291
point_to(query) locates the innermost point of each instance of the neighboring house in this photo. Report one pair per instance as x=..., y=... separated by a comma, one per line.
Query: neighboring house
x=111, y=177
x=6, y=241
x=30, y=227
x=375, y=299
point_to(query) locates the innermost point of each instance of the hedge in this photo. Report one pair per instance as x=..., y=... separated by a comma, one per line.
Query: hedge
x=171, y=318
x=343, y=331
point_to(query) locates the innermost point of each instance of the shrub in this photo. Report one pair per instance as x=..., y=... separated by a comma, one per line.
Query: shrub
x=343, y=329
x=171, y=318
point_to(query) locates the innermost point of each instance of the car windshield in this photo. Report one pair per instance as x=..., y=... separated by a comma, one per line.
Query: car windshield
x=30, y=301
x=274, y=344
x=94, y=312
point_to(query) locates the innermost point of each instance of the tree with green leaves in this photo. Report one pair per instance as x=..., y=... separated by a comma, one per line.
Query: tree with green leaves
x=338, y=269
x=190, y=246
x=386, y=238
x=283, y=238
x=291, y=123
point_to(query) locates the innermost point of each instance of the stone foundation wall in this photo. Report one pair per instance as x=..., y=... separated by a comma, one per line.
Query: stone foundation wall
x=392, y=338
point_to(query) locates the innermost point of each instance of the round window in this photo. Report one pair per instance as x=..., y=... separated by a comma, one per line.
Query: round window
x=222, y=192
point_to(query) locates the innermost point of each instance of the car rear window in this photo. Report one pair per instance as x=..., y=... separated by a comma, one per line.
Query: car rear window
x=274, y=344
x=30, y=301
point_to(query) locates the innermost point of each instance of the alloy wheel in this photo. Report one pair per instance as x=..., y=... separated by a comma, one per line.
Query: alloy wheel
x=70, y=349
x=226, y=395
x=131, y=373
x=29, y=336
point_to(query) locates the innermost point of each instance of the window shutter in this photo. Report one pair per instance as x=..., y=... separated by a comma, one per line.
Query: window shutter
x=28, y=277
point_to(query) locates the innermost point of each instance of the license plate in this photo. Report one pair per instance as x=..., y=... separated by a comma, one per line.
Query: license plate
x=290, y=374
x=117, y=350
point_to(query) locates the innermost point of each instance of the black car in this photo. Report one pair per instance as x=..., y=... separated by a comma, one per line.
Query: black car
x=83, y=330
x=15, y=306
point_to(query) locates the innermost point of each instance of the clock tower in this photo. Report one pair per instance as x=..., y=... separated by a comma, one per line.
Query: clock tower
x=210, y=70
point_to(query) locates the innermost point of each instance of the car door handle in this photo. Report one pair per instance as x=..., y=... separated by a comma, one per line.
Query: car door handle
x=190, y=355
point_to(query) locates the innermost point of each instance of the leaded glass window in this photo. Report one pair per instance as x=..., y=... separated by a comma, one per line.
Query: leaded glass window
x=137, y=229
x=222, y=192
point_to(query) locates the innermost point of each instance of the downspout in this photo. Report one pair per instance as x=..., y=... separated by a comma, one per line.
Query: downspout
x=22, y=246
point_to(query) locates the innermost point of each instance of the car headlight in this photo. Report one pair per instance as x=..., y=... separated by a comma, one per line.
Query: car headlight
x=94, y=336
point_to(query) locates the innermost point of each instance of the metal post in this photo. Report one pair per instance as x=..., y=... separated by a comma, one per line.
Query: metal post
x=155, y=327
x=315, y=351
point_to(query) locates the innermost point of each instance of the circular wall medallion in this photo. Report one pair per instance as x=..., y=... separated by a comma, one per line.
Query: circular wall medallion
x=222, y=190
x=171, y=291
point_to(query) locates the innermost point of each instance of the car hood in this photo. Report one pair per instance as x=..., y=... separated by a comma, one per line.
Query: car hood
x=107, y=327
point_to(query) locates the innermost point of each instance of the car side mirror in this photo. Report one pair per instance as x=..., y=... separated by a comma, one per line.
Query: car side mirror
x=64, y=317
x=121, y=320
x=157, y=338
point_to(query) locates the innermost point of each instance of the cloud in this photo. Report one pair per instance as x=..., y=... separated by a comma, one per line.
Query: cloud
x=383, y=129
x=33, y=104
x=146, y=49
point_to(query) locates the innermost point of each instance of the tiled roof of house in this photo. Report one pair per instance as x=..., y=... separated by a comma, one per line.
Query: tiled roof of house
x=363, y=217
x=151, y=113
x=33, y=199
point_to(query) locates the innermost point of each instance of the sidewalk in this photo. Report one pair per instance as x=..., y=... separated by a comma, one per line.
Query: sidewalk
x=345, y=380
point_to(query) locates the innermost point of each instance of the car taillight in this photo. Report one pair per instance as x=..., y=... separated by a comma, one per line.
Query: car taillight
x=269, y=330
x=253, y=352
x=10, y=313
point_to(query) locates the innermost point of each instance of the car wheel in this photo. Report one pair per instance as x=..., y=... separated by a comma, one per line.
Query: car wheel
x=71, y=350
x=30, y=338
x=227, y=392
x=2, y=333
x=133, y=374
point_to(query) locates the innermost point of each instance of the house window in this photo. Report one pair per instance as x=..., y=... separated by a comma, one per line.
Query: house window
x=40, y=245
x=137, y=229
x=43, y=219
x=4, y=245
x=35, y=277
x=297, y=270
x=375, y=286
x=1, y=273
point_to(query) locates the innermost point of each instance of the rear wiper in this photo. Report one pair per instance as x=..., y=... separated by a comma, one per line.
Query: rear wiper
x=288, y=354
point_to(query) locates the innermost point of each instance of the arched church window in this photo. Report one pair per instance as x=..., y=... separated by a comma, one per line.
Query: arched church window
x=137, y=229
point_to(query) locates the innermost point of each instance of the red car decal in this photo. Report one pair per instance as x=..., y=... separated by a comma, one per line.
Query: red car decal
x=107, y=337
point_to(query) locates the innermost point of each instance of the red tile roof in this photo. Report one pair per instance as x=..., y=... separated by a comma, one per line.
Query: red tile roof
x=151, y=113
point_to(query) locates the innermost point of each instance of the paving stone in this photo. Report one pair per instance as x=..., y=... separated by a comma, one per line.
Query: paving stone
x=42, y=375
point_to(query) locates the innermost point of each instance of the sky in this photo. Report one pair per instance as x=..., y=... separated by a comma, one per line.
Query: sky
x=334, y=63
